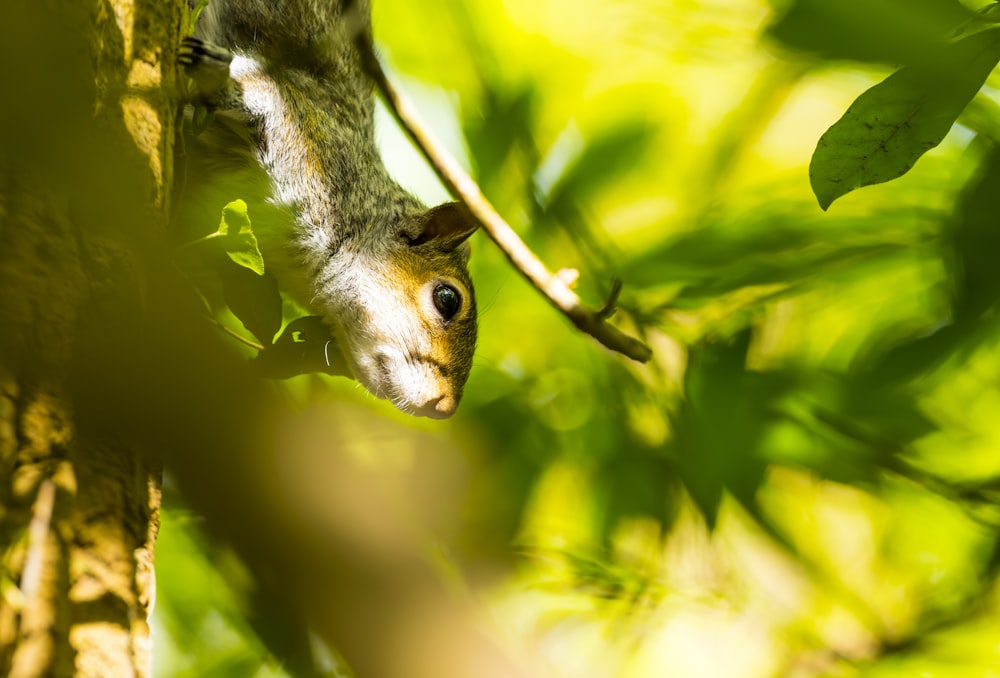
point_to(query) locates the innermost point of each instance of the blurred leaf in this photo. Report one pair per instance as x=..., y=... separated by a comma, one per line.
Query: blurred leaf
x=305, y=345
x=638, y=485
x=503, y=124
x=600, y=578
x=605, y=158
x=982, y=117
x=914, y=356
x=282, y=628
x=827, y=453
x=575, y=175
x=845, y=429
x=238, y=238
x=888, y=31
x=785, y=247
x=743, y=126
x=975, y=238
x=721, y=423
x=201, y=596
x=887, y=416
x=254, y=299
x=888, y=128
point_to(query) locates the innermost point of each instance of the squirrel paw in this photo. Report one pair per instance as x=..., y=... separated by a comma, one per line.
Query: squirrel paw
x=196, y=54
x=208, y=67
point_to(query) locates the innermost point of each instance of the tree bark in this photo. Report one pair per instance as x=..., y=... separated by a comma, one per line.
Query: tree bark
x=86, y=136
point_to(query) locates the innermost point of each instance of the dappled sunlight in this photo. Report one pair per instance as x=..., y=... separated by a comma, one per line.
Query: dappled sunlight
x=802, y=482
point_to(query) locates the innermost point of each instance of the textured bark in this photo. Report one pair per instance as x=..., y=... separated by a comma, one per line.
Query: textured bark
x=85, y=144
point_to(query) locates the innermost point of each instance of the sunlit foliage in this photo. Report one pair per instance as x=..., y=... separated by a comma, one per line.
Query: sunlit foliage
x=803, y=482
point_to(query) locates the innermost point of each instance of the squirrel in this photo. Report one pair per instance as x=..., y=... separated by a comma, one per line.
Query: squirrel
x=293, y=126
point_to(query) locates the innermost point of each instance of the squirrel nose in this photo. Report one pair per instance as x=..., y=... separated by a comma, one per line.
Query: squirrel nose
x=441, y=407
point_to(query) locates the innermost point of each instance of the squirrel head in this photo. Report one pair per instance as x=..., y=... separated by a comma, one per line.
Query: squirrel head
x=407, y=317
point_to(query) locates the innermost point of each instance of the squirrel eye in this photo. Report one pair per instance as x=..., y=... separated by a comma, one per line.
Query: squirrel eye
x=446, y=301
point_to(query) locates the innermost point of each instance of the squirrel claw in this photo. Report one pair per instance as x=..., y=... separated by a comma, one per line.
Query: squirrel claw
x=194, y=53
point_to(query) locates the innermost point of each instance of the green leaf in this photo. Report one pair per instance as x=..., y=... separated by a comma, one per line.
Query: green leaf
x=502, y=123
x=975, y=237
x=721, y=424
x=887, y=31
x=638, y=484
x=254, y=299
x=238, y=238
x=607, y=156
x=306, y=345
x=766, y=249
x=845, y=428
x=888, y=128
x=196, y=9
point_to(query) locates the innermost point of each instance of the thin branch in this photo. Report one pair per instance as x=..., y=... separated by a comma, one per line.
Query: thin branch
x=520, y=256
x=235, y=335
x=608, y=309
x=210, y=317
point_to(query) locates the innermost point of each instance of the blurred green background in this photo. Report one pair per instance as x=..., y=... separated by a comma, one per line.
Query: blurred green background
x=803, y=481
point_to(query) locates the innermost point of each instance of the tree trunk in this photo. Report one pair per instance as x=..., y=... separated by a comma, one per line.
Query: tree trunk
x=86, y=132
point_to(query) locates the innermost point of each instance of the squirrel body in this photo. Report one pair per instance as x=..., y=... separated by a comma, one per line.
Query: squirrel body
x=294, y=129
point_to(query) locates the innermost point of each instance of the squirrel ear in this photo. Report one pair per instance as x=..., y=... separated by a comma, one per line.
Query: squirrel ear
x=446, y=226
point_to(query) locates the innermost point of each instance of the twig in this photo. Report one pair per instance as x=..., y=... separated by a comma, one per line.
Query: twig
x=235, y=335
x=608, y=309
x=520, y=256
x=210, y=317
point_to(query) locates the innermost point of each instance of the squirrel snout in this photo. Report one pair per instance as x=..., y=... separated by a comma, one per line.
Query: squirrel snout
x=441, y=407
x=414, y=386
